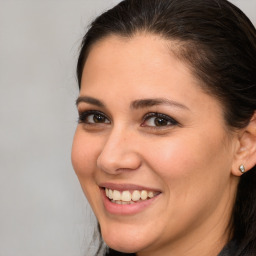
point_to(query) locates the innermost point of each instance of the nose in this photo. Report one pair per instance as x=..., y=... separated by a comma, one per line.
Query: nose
x=119, y=153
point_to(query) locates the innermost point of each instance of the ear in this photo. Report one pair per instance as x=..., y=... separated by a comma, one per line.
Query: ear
x=246, y=152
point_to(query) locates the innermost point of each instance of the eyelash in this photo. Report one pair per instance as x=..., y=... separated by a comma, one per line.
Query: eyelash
x=169, y=120
x=83, y=118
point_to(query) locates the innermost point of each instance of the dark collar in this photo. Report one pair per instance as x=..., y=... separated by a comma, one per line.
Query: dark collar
x=229, y=250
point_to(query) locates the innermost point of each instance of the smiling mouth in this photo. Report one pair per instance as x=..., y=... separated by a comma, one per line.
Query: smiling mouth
x=129, y=197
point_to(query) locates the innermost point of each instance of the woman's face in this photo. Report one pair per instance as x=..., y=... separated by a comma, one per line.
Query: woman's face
x=150, y=138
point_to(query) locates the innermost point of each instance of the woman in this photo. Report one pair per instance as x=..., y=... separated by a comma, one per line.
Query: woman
x=165, y=145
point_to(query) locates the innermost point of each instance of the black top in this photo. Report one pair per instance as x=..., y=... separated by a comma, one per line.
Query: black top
x=229, y=250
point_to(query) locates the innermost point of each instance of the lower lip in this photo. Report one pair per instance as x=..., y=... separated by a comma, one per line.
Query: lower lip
x=126, y=209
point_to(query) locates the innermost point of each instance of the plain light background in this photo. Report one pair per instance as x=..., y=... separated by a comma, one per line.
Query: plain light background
x=43, y=211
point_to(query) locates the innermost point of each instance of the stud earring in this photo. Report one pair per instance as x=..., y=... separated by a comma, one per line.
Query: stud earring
x=241, y=168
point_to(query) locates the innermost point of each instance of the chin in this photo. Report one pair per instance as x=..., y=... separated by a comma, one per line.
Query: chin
x=124, y=239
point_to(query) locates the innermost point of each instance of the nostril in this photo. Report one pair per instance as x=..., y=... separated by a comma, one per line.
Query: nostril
x=121, y=161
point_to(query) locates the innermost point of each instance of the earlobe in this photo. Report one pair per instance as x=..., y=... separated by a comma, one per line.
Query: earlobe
x=245, y=158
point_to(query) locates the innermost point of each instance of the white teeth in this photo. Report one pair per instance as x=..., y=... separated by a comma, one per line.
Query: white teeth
x=144, y=195
x=121, y=202
x=110, y=194
x=135, y=195
x=126, y=197
x=116, y=195
x=150, y=194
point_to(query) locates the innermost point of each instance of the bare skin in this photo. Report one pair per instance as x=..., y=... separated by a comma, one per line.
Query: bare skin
x=145, y=121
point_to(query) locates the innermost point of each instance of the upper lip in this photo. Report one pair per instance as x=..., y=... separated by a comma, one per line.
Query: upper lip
x=123, y=187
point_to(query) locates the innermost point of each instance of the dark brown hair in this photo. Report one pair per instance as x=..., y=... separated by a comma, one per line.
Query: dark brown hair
x=218, y=42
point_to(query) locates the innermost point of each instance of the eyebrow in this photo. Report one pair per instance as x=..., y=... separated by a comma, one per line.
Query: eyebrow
x=89, y=100
x=144, y=103
x=141, y=103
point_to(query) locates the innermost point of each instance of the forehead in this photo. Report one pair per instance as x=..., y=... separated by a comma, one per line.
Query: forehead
x=141, y=56
x=123, y=51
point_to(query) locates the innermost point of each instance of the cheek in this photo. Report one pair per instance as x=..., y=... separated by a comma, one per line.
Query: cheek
x=84, y=157
x=186, y=162
x=191, y=171
x=84, y=154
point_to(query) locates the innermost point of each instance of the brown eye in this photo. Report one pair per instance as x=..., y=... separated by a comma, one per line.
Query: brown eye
x=158, y=120
x=97, y=118
x=93, y=117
